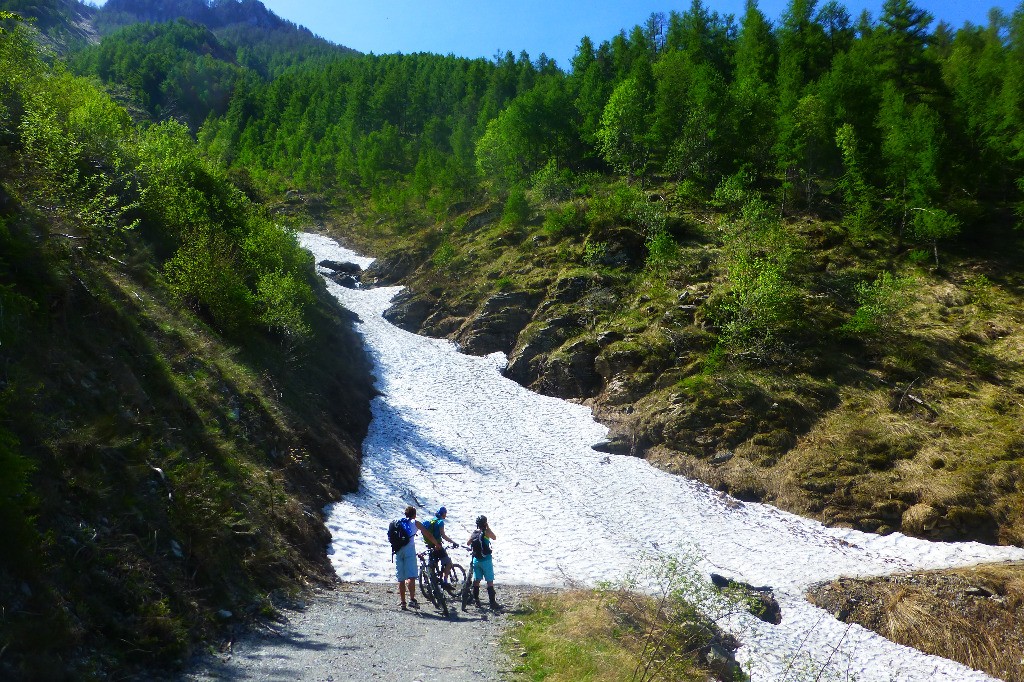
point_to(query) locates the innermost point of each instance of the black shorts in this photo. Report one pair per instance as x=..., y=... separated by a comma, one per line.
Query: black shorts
x=439, y=555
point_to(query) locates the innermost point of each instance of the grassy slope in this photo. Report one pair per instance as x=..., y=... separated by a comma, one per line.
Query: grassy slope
x=177, y=474
x=609, y=636
x=914, y=428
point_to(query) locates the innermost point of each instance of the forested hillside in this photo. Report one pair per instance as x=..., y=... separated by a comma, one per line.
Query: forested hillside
x=774, y=255
x=178, y=396
x=777, y=254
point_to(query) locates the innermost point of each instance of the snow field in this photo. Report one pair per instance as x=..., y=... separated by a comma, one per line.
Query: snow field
x=449, y=430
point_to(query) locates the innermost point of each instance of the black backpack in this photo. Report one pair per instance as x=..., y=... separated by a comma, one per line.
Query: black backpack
x=476, y=543
x=398, y=536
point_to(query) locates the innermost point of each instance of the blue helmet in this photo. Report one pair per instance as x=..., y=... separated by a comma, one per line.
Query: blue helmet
x=441, y=512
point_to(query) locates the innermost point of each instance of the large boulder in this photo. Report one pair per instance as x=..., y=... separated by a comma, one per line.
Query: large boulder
x=570, y=373
x=341, y=267
x=392, y=268
x=498, y=322
x=541, y=338
x=408, y=310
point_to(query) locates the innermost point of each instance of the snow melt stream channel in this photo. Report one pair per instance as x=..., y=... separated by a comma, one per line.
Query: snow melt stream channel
x=449, y=429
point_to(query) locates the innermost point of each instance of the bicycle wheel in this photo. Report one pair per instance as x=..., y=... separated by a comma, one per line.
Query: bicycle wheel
x=467, y=589
x=424, y=581
x=457, y=576
x=435, y=588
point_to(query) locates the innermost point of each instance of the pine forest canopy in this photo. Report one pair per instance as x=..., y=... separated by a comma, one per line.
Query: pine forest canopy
x=902, y=118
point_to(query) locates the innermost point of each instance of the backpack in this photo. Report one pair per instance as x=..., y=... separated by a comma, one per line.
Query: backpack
x=398, y=535
x=434, y=526
x=481, y=550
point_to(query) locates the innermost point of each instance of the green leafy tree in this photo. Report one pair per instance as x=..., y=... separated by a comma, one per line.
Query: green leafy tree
x=693, y=121
x=857, y=194
x=624, y=134
x=900, y=41
x=911, y=148
x=933, y=225
x=752, y=91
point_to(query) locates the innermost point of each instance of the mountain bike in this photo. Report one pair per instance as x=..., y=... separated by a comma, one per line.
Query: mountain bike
x=433, y=588
x=466, y=593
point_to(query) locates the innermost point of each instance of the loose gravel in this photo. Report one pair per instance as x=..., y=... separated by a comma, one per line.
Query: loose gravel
x=359, y=633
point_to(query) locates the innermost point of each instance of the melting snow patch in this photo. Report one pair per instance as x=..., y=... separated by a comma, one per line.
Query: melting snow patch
x=449, y=430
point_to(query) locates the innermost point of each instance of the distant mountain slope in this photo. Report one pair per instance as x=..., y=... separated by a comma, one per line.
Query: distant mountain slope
x=183, y=59
x=248, y=22
x=65, y=23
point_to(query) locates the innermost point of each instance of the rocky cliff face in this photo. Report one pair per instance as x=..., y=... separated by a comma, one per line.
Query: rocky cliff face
x=820, y=426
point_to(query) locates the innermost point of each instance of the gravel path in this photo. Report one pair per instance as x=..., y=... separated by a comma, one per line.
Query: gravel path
x=358, y=633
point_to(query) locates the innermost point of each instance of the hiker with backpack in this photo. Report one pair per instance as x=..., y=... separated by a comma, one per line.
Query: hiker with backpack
x=402, y=535
x=438, y=552
x=483, y=568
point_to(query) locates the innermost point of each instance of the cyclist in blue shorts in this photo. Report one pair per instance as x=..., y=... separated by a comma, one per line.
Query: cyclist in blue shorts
x=483, y=568
x=406, y=569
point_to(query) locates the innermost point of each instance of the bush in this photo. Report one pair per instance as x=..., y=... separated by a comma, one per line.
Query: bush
x=661, y=250
x=733, y=192
x=563, y=221
x=759, y=258
x=550, y=182
x=618, y=206
x=593, y=252
x=229, y=260
x=444, y=256
x=880, y=305
x=517, y=208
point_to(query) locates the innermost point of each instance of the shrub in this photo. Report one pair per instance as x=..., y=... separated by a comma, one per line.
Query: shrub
x=661, y=250
x=551, y=182
x=444, y=255
x=517, y=208
x=880, y=304
x=733, y=192
x=759, y=258
x=593, y=252
x=563, y=221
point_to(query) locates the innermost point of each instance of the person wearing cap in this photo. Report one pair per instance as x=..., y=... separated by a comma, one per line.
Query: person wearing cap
x=483, y=568
x=438, y=552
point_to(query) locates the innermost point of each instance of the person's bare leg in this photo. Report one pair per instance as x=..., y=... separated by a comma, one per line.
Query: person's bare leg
x=401, y=591
x=412, y=589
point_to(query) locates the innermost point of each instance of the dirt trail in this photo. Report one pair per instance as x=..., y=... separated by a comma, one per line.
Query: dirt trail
x=358, y=633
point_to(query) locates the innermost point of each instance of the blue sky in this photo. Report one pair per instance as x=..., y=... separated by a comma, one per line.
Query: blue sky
x=484, y=27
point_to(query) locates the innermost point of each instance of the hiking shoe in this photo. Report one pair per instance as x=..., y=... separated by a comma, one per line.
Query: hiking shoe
x=404, y=607
x=415, y=604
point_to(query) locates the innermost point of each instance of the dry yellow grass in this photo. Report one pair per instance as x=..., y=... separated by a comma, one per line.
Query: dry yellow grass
x=973, y=616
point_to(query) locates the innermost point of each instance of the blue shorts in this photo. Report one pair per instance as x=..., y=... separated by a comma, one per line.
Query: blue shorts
x=405, y=562
x=483, y=569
